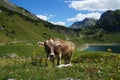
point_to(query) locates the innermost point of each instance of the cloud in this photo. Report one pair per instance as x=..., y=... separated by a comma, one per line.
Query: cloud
x=51, y=15
x=42, y=17
x=48, y=17
x=95, y=5
x=45, y=17
x=80, y=16
x=59, y=23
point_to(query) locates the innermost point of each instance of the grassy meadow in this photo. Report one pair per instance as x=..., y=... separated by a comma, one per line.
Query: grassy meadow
x=30, y=63
x=22, y=59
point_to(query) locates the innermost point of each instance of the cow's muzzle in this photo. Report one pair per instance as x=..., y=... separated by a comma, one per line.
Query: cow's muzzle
x=52, y=55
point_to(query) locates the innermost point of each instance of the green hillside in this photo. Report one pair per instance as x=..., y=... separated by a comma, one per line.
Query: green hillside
x=18, y=24
x=14, y=26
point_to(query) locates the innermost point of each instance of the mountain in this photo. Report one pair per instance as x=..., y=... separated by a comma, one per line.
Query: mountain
x=17, y=9
x=18, y=24
x=106, y=29
x=87, y=22
x=110, y=21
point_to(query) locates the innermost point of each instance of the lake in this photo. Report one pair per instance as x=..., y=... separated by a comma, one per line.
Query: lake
x=105, y=48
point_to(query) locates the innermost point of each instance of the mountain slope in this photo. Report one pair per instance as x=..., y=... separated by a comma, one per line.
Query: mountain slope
x=110, y=21
x=87, y=22
x=14, y=26
x=18, y=25
x=17, y=9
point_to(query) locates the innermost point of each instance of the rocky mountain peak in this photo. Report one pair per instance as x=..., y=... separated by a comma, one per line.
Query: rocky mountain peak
x=87, y=22
x=7, y=4
x=110, y=21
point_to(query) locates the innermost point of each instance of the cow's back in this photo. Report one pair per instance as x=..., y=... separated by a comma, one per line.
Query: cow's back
x=66, y=47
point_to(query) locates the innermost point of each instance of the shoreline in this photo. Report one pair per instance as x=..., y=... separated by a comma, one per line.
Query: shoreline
x=102, y=44
x=85, y=46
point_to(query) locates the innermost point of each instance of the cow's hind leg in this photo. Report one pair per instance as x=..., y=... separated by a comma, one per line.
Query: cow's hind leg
x=65, y=60
x=69, y=59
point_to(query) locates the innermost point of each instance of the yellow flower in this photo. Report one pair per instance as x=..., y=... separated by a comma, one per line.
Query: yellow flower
x=80, y=63
x=102, y=62
x=119, y=71
x=118, y=56
x=8, y=59
x=33, y=53
x=111, y=79
x=95, y=64
x=109, y=50
x=27, y=70
x=96, y=60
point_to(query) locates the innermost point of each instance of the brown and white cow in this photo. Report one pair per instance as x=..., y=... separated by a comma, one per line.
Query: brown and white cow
x=60, y=49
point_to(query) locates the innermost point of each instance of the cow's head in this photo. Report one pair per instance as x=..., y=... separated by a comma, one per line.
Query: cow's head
x=50, y=45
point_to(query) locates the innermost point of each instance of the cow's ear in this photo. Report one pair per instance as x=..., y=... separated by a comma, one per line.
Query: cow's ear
x=57, y=43
x=40, y=44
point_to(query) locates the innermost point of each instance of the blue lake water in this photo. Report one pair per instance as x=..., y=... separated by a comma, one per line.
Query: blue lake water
x=113, y=48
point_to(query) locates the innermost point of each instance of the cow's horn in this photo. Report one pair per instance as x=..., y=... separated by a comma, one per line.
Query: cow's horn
x=40, y=43
x=57, y=43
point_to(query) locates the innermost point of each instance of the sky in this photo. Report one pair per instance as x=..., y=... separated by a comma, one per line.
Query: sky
x=66, y=12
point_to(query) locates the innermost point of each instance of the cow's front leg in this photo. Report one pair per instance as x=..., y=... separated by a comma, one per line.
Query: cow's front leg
x=53, y=61
x=59, y=59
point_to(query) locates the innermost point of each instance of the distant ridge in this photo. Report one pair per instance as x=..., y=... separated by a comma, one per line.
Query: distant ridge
x=13, y=7
x=110, y=21
x=87, y=22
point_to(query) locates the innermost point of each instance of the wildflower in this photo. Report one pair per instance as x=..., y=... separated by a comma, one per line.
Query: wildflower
x=95, y=64
x=109, y=50
x=8, y=59
x=118, y=56
x=33, y=53
x=119, y=71
x=99, y=71
x=102, y=62
x=101, y=59
x=96, y=60
x=80, y=63
x=27, y=70
x=17, y=56
x=111, y=79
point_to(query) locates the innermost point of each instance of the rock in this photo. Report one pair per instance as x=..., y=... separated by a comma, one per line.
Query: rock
x=11, y=55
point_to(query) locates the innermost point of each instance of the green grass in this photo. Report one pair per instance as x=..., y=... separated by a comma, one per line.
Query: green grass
x=21, y=49
x=112, y=38
x=86, y=65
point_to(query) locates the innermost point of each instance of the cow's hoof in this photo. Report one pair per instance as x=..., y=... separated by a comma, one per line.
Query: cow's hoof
x=64, y=65
x=69, y=65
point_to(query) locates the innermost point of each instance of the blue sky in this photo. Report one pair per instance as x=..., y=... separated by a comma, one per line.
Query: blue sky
x=66, y=12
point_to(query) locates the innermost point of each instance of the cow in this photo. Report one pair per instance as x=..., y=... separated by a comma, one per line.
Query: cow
x=60, y=49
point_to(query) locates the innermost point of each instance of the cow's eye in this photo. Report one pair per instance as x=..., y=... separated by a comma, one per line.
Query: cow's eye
x=47, y=49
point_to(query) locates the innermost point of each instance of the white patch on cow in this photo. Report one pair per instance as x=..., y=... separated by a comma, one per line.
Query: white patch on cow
x=57, y=43
x=47, y=41
x=52, y=53
x=51, y=40
x=64, y=65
